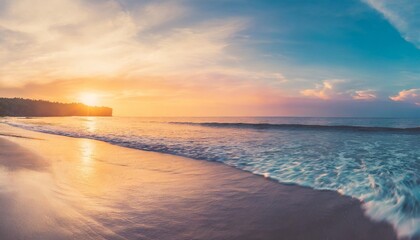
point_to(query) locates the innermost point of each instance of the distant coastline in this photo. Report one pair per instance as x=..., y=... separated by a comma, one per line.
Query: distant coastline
x=20, y=107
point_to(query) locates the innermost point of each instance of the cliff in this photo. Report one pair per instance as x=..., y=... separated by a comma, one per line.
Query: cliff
x=19, y=107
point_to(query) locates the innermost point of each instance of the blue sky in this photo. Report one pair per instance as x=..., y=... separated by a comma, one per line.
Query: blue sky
x=346, y=39
x=312, y=41
x=283, y=57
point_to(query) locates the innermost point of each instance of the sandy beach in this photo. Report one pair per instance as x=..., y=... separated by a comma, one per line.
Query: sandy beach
x=55, y=187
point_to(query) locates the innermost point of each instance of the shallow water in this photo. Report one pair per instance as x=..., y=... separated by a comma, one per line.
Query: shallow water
x=374, y=160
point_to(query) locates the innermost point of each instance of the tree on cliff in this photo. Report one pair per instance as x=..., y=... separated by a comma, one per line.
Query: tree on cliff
x=19, y=107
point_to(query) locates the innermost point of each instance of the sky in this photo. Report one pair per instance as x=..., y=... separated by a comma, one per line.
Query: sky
x=347, y=58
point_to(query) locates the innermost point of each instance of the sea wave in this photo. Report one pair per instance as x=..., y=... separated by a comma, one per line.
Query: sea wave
x=302, y=127
x=382, y=174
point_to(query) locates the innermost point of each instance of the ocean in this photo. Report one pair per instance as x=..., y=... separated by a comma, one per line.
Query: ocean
x=375, y=160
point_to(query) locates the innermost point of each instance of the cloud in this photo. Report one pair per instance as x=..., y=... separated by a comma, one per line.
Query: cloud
x=410, y=96
x=159, y=53
x=364, y=95
x=403, y=15
x=70, y=39
x=326, y=90
x=337, y=89
x=158, y=14
x=152, y=58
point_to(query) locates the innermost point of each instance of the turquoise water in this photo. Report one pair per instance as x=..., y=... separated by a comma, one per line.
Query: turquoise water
x=374, y=160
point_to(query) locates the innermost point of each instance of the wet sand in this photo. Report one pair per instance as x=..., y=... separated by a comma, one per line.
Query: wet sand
x=54, y=187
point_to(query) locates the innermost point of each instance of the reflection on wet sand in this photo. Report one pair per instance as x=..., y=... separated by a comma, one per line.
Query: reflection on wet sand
x=87, y=167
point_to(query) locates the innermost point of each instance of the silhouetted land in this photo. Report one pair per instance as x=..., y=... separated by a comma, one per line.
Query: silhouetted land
x=19, y=107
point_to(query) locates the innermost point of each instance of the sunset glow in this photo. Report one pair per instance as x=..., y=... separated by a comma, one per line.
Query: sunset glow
x=90, y=99
x=209, y=119
x=177, y=58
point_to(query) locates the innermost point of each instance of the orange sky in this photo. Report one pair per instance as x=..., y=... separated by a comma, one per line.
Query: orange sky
x=155, y=97
x=67, y=47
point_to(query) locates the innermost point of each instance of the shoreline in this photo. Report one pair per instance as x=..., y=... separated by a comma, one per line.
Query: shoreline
x=123, y=193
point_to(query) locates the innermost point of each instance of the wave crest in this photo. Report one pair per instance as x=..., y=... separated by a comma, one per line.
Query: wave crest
x=302, y=127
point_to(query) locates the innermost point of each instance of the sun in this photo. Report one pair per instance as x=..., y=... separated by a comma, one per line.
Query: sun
x=90, y=99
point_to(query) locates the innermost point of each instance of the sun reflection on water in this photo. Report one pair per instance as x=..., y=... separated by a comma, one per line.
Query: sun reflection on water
x=90, y=124
x=87, y=154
